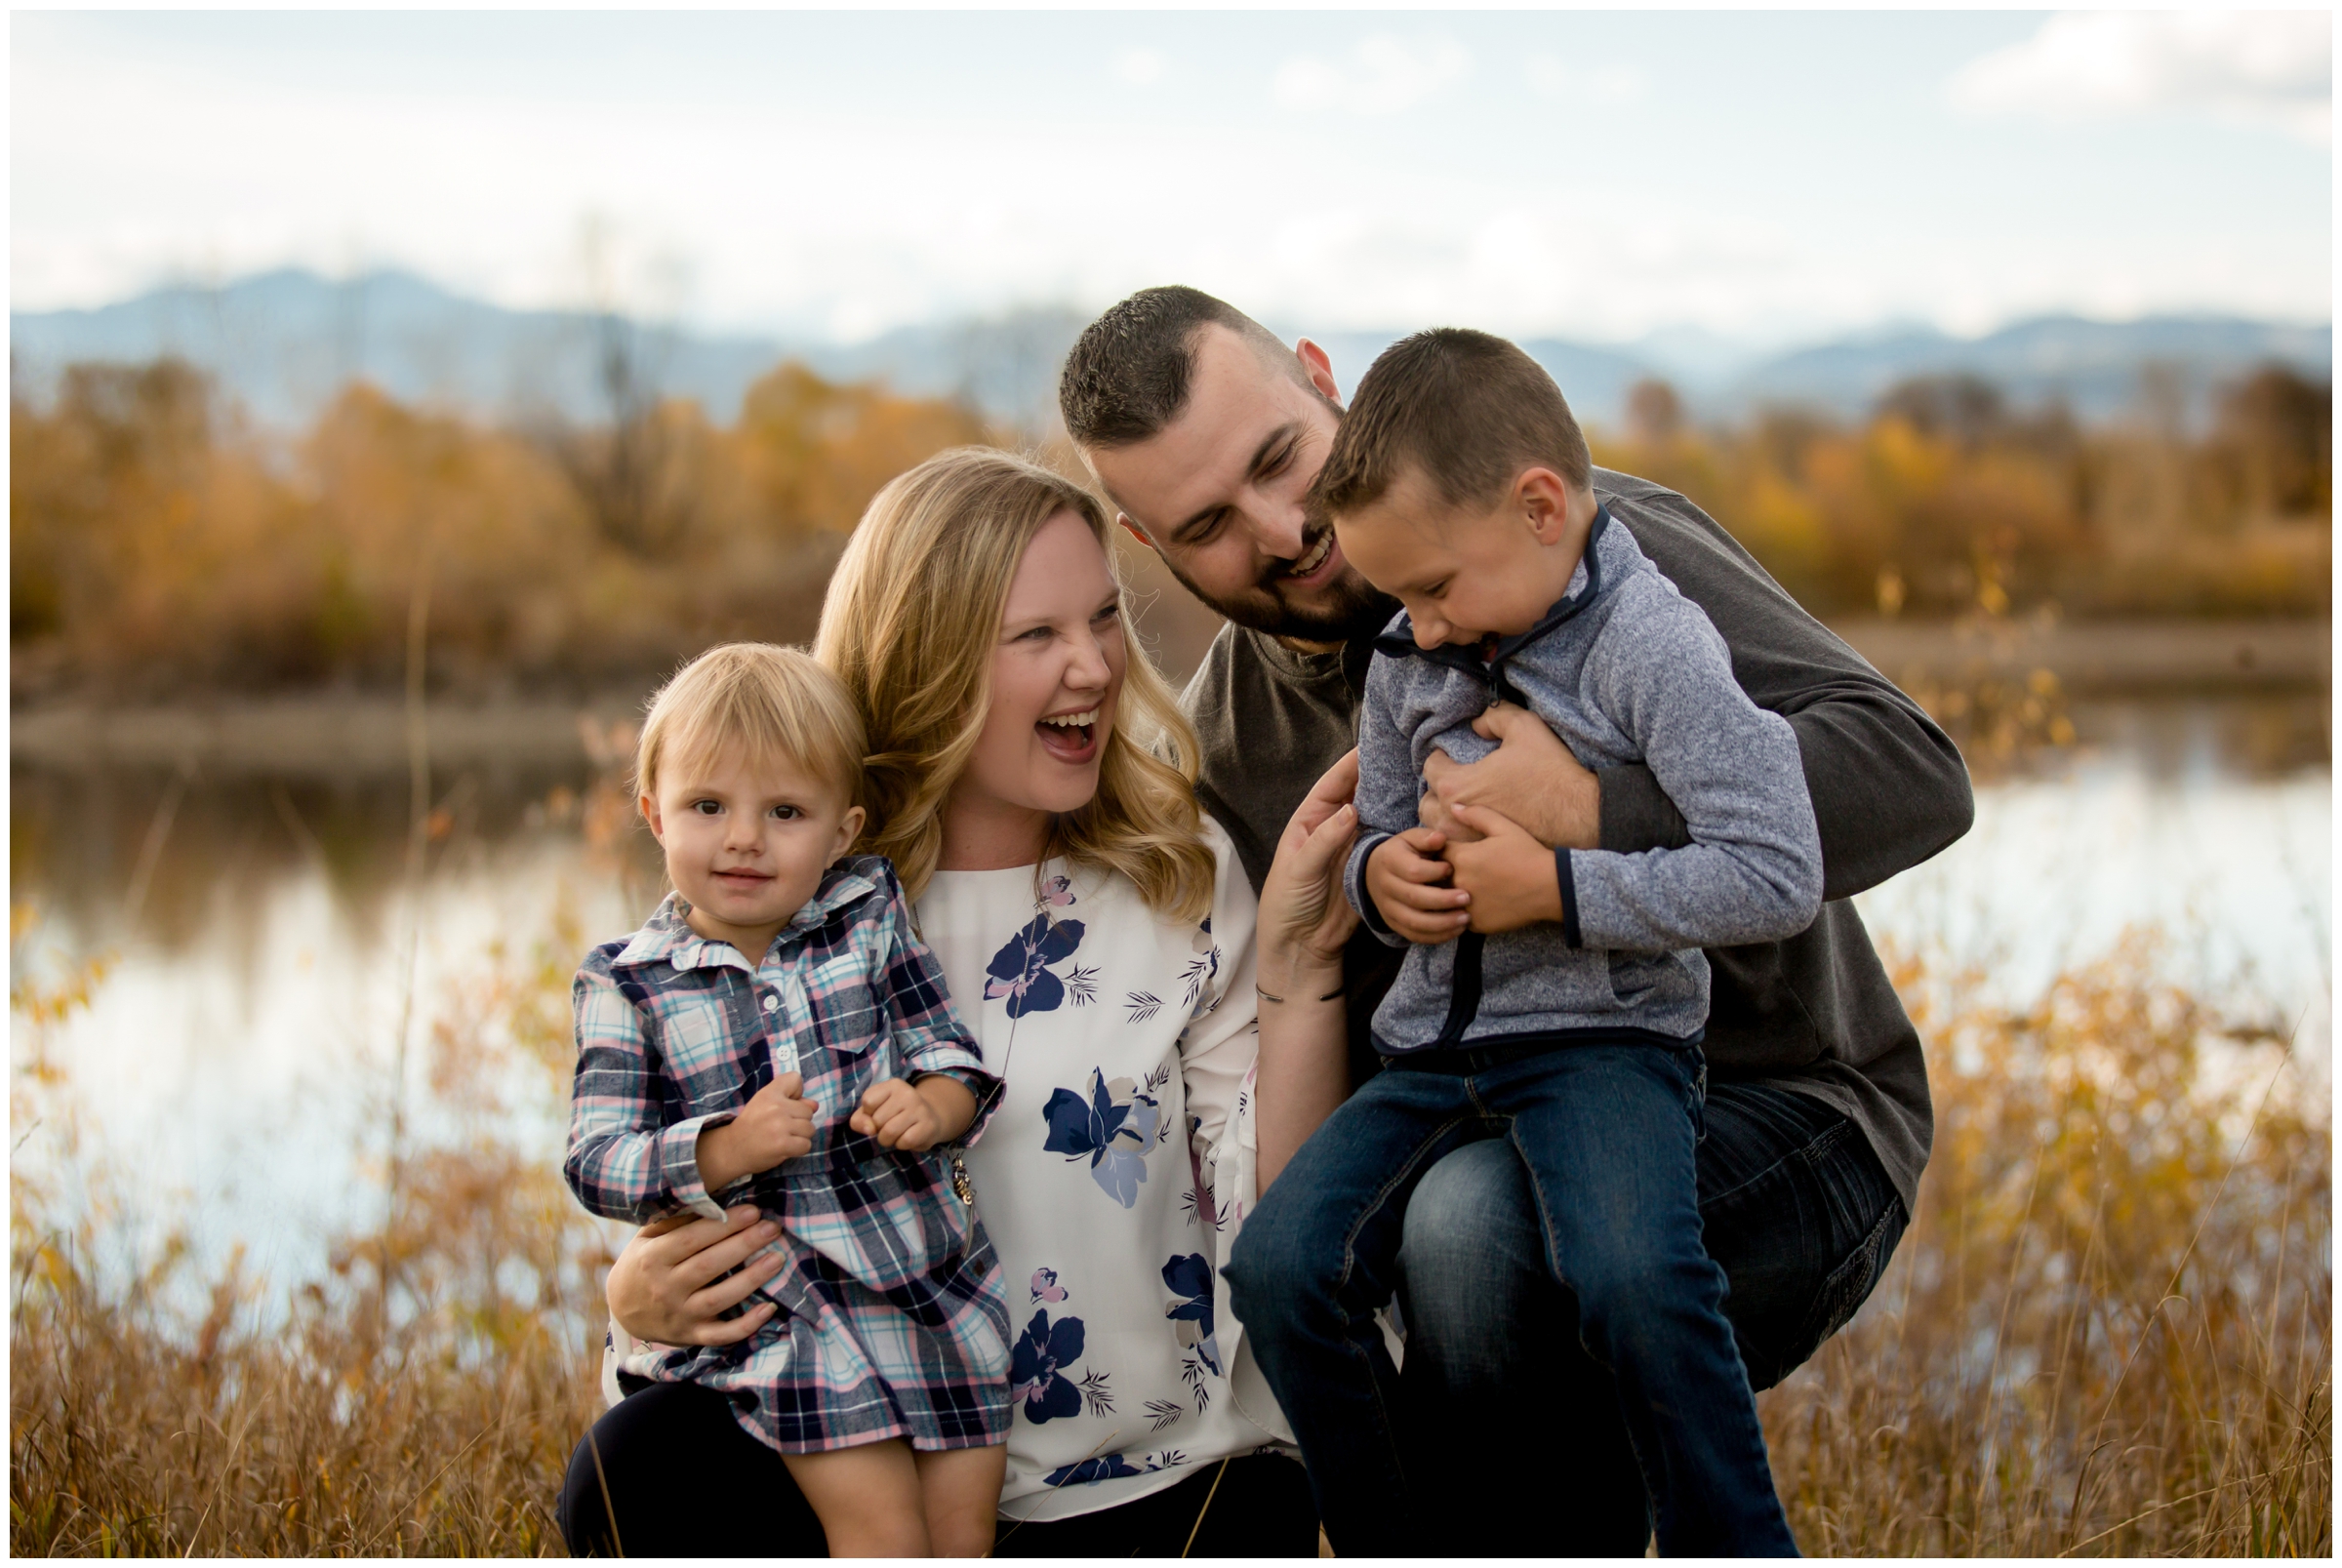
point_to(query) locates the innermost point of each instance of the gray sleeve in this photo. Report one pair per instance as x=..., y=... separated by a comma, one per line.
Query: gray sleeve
x=1389, y=794
x=1753, y=870
x=1888, y=786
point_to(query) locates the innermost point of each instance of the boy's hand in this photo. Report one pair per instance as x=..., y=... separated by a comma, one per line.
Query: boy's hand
x=1404, y=877
x=775, y=1125
x=1511, y=878
x=914, y=1117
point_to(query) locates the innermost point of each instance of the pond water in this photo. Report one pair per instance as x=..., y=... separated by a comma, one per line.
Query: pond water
x=257, y=948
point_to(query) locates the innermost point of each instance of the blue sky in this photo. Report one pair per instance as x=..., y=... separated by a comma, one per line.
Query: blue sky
x=1598, y=175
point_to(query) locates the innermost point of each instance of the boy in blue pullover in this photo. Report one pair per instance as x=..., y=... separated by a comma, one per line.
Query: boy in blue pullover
x=1553, y=998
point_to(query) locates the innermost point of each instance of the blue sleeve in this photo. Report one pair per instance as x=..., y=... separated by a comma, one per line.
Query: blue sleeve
x=1753, y=870
x=1389, y=790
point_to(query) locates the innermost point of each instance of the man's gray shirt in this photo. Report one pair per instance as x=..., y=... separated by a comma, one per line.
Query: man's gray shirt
x=1622, y=669
x=1814, y=1012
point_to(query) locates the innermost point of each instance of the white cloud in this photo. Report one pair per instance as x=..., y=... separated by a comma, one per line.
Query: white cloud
x=1141, y=68
x=1595, y=86
x=2266, y=67
x=1382, y=75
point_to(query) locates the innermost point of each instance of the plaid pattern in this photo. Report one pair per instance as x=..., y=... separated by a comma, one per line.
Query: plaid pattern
x=894, y=1321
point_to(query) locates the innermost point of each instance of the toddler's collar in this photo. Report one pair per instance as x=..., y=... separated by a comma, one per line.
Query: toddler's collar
x=666, y=936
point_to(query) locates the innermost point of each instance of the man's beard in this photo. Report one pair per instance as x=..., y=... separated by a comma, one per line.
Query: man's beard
x=1354, y=606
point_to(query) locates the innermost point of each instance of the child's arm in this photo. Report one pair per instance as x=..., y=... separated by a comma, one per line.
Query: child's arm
x=1393, y=876
x=945, y=1091
x=623, y=1163
x=1753, y=872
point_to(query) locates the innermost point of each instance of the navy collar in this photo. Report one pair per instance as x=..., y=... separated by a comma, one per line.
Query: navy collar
x=1398, y=641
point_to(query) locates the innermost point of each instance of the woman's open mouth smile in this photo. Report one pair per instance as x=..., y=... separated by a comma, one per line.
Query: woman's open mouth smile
x=1071, y=738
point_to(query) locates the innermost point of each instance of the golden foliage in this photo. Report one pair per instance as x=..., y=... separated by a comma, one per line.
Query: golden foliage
x=1947, y=503
x=156, y=546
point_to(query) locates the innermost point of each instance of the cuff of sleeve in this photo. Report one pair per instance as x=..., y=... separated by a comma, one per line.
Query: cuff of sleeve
x=679, y=1163
x=1569, y=899
x=1637, y=814
x=1354, y=887
x=987, y=1089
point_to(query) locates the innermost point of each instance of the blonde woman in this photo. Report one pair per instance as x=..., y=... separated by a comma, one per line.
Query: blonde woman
x=1165, y=1043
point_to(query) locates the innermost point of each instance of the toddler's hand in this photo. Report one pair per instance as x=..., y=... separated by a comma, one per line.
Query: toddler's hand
x=777, y=1123
x=899, y=1116
x=1404, y=877
x=1511, y=878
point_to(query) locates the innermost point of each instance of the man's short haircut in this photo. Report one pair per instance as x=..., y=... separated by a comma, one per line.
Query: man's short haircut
x=1470, y=410
x=1128, y=375
x=775, y=703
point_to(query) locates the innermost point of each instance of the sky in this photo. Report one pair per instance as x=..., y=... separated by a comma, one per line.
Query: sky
x=1762, y=176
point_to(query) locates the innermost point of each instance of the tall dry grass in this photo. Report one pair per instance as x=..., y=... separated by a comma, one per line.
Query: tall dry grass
x=420, y=1398
x=2107, y=1332
x=2110, y=1328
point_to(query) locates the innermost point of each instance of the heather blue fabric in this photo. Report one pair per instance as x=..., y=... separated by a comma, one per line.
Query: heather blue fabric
x=1624, y=669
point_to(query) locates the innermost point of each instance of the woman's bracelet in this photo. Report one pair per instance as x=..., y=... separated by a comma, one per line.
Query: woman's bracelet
x=1268, y=996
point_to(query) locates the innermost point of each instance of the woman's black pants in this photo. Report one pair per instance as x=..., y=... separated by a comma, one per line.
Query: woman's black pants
x=667, y=1473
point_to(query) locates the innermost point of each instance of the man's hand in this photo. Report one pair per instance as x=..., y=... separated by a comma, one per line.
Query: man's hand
x=775, y=1125
x=1404, y=877
x=914, y=1117
x=1511, y=878
x=1530, y=776
x=675, y=1278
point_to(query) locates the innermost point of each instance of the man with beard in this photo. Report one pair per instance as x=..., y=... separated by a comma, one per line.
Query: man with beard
x=1206, y=432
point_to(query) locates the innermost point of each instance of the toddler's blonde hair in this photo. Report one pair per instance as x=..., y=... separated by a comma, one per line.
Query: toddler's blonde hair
x=775, y=703
x=910, y=623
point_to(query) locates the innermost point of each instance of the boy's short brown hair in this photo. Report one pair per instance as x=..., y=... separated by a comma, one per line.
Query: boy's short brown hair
x=770, y=701
x=1470, y=410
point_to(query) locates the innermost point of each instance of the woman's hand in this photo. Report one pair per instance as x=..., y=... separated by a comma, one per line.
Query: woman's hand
x=1305, y=924
x=668, y=1285
x=1305, y=920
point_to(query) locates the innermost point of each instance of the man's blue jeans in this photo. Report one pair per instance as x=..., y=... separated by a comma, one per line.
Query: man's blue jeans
x=1606, y=1135
x=1504, y=1405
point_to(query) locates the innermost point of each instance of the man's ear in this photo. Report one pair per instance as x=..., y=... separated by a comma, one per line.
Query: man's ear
x=1321, y=369
x=1133, y=530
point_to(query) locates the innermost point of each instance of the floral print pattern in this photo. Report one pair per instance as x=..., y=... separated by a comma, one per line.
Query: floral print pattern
x=1019, y=973
x=1117, y=1125
x=1190, y=1278
x=1036, y=1379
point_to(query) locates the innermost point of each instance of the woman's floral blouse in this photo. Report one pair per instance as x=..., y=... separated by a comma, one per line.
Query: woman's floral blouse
x=1116, y=1172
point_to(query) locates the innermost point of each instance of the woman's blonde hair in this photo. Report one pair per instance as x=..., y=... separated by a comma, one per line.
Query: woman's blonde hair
x=773, y=702
x=909, y=624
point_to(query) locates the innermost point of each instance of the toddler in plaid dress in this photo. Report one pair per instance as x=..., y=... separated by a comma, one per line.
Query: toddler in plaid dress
x=777, y=1034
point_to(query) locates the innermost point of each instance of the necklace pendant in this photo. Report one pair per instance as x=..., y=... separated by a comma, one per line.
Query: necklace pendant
x=961, y=1187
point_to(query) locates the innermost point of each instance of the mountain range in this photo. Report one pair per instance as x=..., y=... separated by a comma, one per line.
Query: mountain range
x=284, y=342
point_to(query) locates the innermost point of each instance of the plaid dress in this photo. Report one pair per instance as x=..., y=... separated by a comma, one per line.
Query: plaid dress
x=894, y=1322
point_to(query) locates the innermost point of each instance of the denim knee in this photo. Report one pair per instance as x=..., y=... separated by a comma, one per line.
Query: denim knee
x=1275, y=1274
x=1626, y=1281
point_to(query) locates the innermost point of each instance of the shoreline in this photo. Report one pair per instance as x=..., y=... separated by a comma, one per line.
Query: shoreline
x=356, y=733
